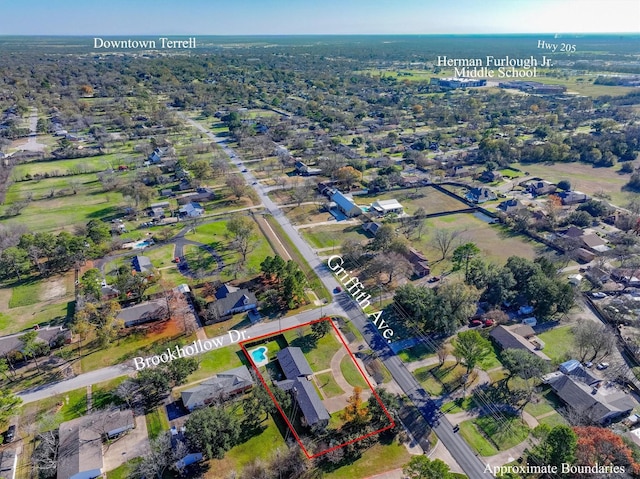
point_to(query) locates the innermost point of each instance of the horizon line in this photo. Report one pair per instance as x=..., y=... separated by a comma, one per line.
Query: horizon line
x=306, y=34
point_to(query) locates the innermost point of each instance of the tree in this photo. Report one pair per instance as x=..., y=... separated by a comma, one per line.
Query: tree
x=593, y=341
x=154, y=385
x=162, y=455
x=237, y=185
x=212, y=430
x=14, y=260
x=421, y=467
x=90, y=283
x=272, y=266
x=471, y=347
x=384, y=238
x=347, y=175
x=179, y=369
x=321, y=328
x=558, y=447
x=98, y=231
x=443, y=240
x=390, y=265
x=355, y=413
x=564, y=185
x=5, y=367
x=522, y=363
x=30, y=346
x=604, y=447
x=242, y=229
x=9, y=403
x=463, y=255
x=300, y=194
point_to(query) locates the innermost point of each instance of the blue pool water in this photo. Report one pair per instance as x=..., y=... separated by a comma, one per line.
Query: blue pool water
x=143, y=244
x=259, y=355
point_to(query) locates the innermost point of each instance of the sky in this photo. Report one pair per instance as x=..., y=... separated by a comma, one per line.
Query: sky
x=295, y=17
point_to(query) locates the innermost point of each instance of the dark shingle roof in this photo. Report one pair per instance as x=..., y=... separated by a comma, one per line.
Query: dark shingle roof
x=293, y=363
x=219, y=386
x=307, y=398
x=235, y=299
x=142, y=264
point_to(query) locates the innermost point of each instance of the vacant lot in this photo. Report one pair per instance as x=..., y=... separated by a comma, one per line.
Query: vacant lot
x=426, y=197
x=328, y=236
x=495, y=241
x=583, y=177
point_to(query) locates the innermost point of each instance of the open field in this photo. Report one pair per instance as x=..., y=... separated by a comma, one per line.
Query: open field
x=45, y=301
x=583, y=85
x=333, y=235
x=426, y=197
x=375, y=460
x=306, y=214
x=496, y=242
x=583, y=177
x=70, y=166
x=558, y=343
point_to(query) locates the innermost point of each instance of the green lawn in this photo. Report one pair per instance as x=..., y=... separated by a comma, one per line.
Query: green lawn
x=102, y=393
x=352, y=374
x=472, y=435
x=157, y=422
x=25, y=294
x=318, y=353
x=437, y=379
x=329, y=385
x=218, y=360
x=491, y=361
x=506, y=432
x=260, y=446
x=375, y=460
x=539, y=408
x=333, y=235
x=124, y=471
x=416, y=353
x=459, y=405
x=558, y=343
x=553, y=420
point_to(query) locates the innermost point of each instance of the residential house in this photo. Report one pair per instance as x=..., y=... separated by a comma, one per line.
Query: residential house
x=191, y=210
x=297, y=372
x=109, y=292
x=418, y=261
x=520, y=336
x=188, y=460
x=201, y=194
x=167, y=193
x=588, y=397
x=385, y=207
x=584, y=255
x=573, y=197
x=345, y=204
x=480, y=195
x=511, y=206
x=145, y=312
x=53, y=336
x=220, y=387
x=80, y=442
x=540, y=187
x=372, y=227
x=597, y=275
x=143, y=265
x=573, y=232
x=490, y=176
x=594, y=243
x=8, y=464
x=231, y=300
x=305, y=170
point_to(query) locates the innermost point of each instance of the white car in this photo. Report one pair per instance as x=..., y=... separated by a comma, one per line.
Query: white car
x=602, y=366
x=598, y=295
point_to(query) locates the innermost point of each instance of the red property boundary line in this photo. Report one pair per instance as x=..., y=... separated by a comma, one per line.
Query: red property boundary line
x=273, y=398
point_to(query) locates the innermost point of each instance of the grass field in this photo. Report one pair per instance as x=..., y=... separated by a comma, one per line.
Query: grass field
x=352, y=374
x=218, y=360
x=426, y=197
x=25, y=295
x=437, y=379
x=70, y=166
x=375, y=460
x=333, y=235
x=328, y=385
x=156, y=422
x=558, y=343
x=318, y=355
x=495, y=241
x=583, y=177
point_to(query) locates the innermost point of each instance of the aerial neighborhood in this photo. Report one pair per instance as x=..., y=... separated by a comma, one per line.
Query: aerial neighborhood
x=182, y=212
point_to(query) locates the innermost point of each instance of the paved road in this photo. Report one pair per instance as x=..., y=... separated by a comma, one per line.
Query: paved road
x=459, y=449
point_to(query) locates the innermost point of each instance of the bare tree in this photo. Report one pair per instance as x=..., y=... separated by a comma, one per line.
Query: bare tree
x=237, y=185
x=445, y=240
x=593, y=341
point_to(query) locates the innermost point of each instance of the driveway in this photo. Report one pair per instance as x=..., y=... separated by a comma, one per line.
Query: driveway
x=131, y=445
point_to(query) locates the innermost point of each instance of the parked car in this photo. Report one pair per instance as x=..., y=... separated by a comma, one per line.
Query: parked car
x=338, y=289
x=488, y=323
x=598, y=295
x=474, y=322
x=10, y=434
x=602, y=366
x=244, y=170
x=434, y=279
x=588, y=364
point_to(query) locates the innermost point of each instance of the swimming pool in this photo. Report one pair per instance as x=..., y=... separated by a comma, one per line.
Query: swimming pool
x=143, y=244
x=259, y=356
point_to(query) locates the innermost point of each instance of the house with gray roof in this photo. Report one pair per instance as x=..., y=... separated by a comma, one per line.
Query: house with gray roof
x=80, y=442
x=231, y=300
x=480, y=195
x=220, y=387
x=590, y=398
x=8, y=463
x=298, y=373
x=145, y=312
x=142, y=264
x=518, y=337
x=50, y=335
